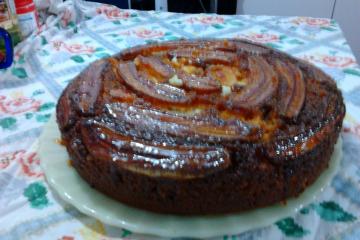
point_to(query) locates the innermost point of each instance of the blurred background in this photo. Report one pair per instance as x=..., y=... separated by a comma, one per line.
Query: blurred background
x=345, y=12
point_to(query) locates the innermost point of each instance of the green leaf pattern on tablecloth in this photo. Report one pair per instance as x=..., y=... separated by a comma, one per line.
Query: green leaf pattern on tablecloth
x=217, y=26
x=304, y=210
x=21, y=59
x=328, y=28
x=102, y=55
x=125, y=233
x=46, y=106
x=29, y=115
x=8, y=123
x=355, y=72
x=290, y=228
x=116, y=22
x=331, y=211
x=38, y=92
x=43, y=40
x=77, y=59
x=36, y=195
x=43, y=117
x=99, y=49
x=19, y=72
x=273, y=45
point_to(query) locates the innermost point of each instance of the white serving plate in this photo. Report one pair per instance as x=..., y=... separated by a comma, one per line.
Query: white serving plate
x=74, y=190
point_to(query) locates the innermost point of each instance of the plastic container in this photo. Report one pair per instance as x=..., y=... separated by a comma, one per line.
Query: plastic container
x=8, y=21
x=6, y=58
x=27, y=16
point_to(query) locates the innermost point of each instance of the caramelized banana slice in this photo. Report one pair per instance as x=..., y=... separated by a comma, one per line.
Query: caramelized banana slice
x=161, y=92
x=199, y=84
x=178, y=126
x=204, y=56
x=181, y=162
x=156, y=65
x=240, y=46
x=292, y=89
x=262, y=83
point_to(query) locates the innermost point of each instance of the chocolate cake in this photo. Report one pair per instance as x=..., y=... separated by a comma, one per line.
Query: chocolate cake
x=200, y=126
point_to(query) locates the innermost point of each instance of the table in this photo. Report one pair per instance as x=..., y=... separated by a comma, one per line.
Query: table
x=81, y=32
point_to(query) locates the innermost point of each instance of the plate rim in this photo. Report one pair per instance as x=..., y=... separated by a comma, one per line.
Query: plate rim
x=49, y=138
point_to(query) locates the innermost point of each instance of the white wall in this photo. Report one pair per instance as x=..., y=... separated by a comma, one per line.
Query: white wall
x=346, y=12
x=313, y=8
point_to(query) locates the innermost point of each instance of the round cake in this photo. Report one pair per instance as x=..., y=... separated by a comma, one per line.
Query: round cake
x=200, y=126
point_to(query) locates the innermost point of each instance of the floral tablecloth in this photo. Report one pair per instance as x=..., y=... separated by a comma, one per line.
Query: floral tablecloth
x=76, y=33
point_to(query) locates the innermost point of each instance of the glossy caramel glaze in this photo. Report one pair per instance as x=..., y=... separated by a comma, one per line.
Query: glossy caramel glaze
x=189, y=112
x=180, y=109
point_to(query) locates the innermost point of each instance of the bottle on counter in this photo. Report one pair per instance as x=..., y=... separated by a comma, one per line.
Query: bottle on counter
x=27, y=16
x=9, y=22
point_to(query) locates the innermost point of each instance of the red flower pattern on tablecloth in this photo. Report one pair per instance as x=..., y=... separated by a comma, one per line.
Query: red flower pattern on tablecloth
x=57, y=45
x=66, y=238
x=331, y=61
x=148, y=33
x=113, y=13
x=78, y=48
x=125, y=33
x=354, y=129
x=260, y=37
x=73, y=48
x=30, y=165
x=8, y=157
x=66, y=17
x=315, y=22
x=208, y=20
x=18, y=105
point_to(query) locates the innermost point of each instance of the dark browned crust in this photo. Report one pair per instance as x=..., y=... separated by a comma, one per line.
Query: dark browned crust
x=255, y=178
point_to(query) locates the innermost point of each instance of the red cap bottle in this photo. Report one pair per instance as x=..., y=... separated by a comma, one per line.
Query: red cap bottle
x=27, y=16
